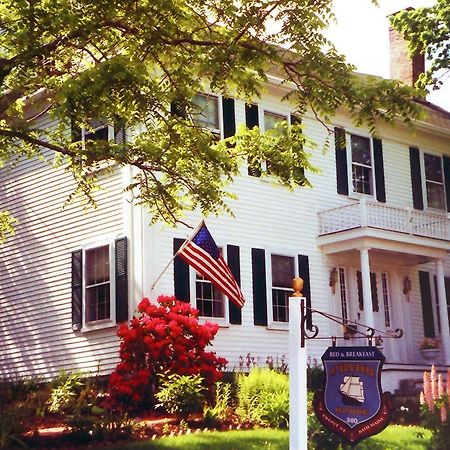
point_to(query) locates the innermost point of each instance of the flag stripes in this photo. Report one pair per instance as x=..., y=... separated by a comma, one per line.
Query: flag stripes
x=202, y=254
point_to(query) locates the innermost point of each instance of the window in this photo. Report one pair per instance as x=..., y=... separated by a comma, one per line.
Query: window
x=434, y=181
x=100, y=130
x=385, y=289
x=283, y=271
x=98, y=284
x=362, y=178
x=209, y=300
x=207, y=114
x=343, y=294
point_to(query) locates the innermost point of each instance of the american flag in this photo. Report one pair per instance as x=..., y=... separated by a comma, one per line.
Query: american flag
x=202, y=253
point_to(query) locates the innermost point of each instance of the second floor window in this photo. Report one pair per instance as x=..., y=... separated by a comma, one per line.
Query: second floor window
x=362, y=177
x=434, y=181
x=207, y=114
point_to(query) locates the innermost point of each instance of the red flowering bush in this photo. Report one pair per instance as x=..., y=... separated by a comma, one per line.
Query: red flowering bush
x=162, y=338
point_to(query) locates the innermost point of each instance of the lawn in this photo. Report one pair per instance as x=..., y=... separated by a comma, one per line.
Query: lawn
x=392, y=438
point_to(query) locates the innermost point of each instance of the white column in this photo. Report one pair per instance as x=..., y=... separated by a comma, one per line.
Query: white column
x=368, y=318
x=298, y=416
x=443, y=312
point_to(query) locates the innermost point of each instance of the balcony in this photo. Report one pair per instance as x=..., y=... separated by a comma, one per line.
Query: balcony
x=377, y=225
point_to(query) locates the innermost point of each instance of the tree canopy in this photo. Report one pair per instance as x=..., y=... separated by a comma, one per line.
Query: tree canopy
x=427, y=31
x=128, y=61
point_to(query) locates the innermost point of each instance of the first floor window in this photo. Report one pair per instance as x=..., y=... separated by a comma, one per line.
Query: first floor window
x=343, y=294
x=98, y=284
x=209, y=299
x=283, y=271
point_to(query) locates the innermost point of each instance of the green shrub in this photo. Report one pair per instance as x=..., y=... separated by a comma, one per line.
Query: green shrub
x=263, y=398
x=181, y=394
x=221, y=408
x=65, y=392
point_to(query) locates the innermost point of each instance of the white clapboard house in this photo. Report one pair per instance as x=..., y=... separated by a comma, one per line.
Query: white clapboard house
x=371, y=240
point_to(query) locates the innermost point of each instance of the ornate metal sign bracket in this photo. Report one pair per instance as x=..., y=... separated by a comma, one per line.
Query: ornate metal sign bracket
x=311, y=331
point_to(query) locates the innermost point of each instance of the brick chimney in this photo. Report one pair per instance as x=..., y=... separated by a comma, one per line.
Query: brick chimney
x=402, y=66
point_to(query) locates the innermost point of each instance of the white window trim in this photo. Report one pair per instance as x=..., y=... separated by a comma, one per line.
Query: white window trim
x=348, y=148
x=221, y=321
x=219, y=131
x=271, y=323
x=104, y=323
x=424, y=182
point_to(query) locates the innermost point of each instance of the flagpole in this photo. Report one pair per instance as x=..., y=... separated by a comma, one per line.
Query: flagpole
x=189, y=239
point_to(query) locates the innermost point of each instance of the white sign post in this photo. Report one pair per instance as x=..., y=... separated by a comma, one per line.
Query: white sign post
x=298, y=416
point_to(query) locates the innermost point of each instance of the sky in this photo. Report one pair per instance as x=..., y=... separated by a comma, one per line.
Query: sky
x=361, y=34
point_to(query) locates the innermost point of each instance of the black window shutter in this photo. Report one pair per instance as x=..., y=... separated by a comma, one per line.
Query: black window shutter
x=447, y=180
x=447, y=295
x=77, y=289
x=427, y=307
x=360, y=291
x=252, y=120
x=233, y=260
x=374, y=290
x=119, y=133
x=229, y=117
x=416, y=177
x=379, y=170
x=303, y=272
x=436, y=296
x=259, y=286
x=181, y=274
x=75, y=131
x=121, y=266
x=341, y=161
x=178, y=109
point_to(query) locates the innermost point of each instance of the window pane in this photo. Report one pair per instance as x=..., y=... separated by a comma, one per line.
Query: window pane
x=207, y=114
x=98, y=302
x=209, y=300
x=280, y=305
x=283, y=271
x=361, y=150
x=98, y=131
x=433, y=168
x=435, y=195
x=271, y=120
x=362, y=179
x=97, y=265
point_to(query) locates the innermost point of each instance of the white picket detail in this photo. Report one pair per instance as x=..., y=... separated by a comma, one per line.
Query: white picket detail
x=384, y=217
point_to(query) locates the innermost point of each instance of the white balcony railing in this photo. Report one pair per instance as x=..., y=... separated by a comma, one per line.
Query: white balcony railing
x=377, y=215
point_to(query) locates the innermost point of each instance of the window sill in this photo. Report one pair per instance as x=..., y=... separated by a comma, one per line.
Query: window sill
x=223, y=323
x=278, y=326
x=98, y=325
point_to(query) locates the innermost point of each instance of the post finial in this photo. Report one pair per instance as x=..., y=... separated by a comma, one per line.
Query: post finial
x=297, y=286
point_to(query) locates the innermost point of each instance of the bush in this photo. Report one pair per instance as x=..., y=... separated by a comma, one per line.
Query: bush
x=263, y=398
x=162, y=339
x=65, y=392
x=221, y=408
x=11, y=426
x=181, y=394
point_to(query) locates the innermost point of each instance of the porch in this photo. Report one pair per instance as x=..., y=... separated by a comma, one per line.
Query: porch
x=365, y=235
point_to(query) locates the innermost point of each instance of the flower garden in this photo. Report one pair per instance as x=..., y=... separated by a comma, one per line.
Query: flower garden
x=168, y=384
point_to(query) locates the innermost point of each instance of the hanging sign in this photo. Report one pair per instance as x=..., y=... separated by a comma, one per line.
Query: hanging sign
x=352, y=404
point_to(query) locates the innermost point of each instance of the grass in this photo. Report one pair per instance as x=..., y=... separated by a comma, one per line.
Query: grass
x=393, y=437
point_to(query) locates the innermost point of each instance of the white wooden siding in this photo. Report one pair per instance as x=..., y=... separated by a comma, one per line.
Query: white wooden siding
x=35, y=322
x=36, y=337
